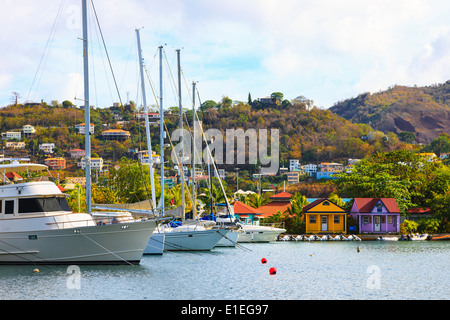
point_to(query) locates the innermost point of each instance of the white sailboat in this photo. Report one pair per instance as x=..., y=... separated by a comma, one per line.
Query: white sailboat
x=189, y=236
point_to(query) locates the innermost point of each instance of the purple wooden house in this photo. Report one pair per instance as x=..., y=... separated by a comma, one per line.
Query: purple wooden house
x=376, y=215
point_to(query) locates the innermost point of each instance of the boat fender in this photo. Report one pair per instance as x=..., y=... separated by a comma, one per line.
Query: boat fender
x=36, y=270
x=263, y=260
x=272, y=271
x=358, y=249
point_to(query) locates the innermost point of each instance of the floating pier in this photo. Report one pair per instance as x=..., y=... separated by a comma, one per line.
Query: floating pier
x=315, y=237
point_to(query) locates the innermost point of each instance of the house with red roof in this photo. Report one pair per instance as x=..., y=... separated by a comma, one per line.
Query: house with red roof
x=376, y=215
x=279, y=202
x=245, y=212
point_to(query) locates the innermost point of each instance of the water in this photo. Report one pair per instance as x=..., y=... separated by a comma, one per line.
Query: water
x=305, y=271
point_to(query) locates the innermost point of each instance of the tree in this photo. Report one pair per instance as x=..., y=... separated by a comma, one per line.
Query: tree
x=16, y=97
x=67, y=104
x=255, y=200
x=402, y=175
x=277, y=97
x=298, y=201
x=208, y=104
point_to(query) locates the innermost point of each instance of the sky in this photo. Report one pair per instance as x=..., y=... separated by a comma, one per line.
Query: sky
x=324, y=50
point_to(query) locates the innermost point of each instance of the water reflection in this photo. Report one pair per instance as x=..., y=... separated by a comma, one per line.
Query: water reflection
x=317, y=270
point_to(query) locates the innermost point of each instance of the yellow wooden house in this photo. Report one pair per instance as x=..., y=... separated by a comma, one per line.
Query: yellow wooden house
x=324, y=216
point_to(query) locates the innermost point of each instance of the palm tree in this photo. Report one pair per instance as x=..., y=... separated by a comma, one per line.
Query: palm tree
x=216, y=194
x=256, y=201
x=297, y=204
x=336, y=199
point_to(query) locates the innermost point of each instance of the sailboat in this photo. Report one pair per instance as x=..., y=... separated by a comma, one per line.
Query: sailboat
x=38, y=227
x=190, y=235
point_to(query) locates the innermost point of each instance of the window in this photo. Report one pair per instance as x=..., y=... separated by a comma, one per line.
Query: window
x=29, y=206
x=9, y=207
x=337, y=219
x=379, y=207
x=326, y=203
x=33, y=205
x=312, y=219
x=366, y=220
x=389, y=219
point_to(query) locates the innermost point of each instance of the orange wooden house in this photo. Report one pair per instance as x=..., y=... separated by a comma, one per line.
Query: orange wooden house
x=324, y=216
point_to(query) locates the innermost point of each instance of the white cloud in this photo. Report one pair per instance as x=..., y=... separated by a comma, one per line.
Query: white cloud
x=325, y=50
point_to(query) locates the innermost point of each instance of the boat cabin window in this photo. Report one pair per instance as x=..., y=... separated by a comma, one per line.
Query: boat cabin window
x=9, y=207
x=30, y=205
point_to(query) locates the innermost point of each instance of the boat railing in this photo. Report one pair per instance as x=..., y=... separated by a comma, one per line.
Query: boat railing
x=273, y=225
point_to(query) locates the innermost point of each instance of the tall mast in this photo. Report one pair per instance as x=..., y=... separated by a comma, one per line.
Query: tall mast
x=87, y=116
x=181, y=137
x=161, y=127
x=194, y=208
x=147, y=125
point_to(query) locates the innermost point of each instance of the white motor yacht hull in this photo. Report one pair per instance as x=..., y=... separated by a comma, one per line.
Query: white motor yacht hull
x=103, y=244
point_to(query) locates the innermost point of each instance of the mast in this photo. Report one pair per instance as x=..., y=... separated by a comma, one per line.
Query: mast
x=161, y=128
x=87, y=116
x=181, y=137
x=194, y=208
x=147, y=126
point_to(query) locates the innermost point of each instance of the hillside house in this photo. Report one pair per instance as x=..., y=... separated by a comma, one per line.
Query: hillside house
x=55, y=163
x=15, y=145
x=116, y=134
x=28, y=130
x=81, y=128
x=278, y=202
x=12, y=135
x=47, y=147
x=77, y=153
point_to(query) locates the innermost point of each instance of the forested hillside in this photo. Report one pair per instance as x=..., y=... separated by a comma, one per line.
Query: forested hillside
x=417, y=113
x=306, y=132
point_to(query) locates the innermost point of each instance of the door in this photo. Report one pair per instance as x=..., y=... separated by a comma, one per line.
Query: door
x=324, y=223
x=376, y=223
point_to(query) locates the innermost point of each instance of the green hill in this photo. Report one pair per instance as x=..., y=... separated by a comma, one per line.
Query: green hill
x=422, y=111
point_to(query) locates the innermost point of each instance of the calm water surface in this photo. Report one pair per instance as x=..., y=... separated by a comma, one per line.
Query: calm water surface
x=305, y=270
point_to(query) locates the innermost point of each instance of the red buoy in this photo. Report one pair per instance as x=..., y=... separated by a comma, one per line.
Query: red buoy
x=273, y=271
x=263, y=260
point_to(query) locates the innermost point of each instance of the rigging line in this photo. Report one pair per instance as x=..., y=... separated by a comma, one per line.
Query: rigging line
x=45, y=53
x=106, y=249
x=18, y=255
x=173, y=83
x=103, y=62
x=106, y=50
x=127, y=61
x=215, y=170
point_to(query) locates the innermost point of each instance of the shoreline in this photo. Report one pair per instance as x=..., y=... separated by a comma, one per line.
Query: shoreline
x=367, y=237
